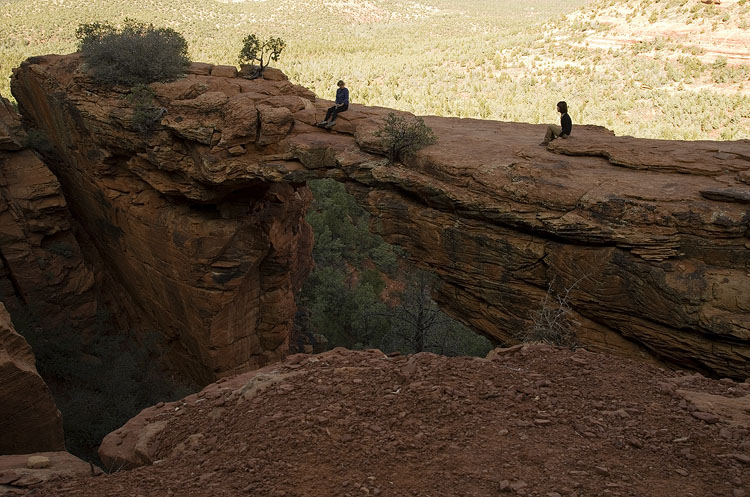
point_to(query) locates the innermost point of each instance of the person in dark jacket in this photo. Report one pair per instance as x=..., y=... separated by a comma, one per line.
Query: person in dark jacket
x=341, y=105
x=562, y=131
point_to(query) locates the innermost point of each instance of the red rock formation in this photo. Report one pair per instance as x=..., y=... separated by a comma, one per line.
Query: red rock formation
x=12, y=134
x=42, y=278
x=19, y=473
x=41, y=268
x=650, y=237
x=212, y=260
x=29, y=419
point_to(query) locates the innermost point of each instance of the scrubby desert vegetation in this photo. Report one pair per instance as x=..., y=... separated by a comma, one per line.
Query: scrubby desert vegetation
x=651, y=69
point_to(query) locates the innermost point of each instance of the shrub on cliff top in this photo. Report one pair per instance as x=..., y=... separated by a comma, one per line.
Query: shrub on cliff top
x=402, y=136
x=134, y=53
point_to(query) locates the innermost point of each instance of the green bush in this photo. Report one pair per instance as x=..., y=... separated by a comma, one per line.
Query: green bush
x=344, y=295
x=402, y=136
x=135, y=53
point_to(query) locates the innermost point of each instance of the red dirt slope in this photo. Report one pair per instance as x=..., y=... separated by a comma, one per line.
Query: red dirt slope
x=531, y=421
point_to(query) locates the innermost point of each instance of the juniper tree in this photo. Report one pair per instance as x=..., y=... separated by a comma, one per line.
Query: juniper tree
x=262, y=52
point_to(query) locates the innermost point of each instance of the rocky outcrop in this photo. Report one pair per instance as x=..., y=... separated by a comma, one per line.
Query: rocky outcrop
x=42, y=272
x=201, y=219
x=12, y=134
x=384, y=421
x=213, y=261
x=29, y=419
x=43, y=282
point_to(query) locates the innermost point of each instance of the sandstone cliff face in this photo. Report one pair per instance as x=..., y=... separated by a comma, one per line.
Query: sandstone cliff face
x=41, y=268
x=213, y=261
x=42, y=280
x=201, y=218
x=29, y=419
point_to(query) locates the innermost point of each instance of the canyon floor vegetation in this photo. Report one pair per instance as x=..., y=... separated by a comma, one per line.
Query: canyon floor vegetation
x=363, y=294
x=97, y=381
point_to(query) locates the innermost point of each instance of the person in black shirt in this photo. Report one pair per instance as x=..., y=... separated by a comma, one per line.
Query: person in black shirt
x=562, y=131
x=341, y=105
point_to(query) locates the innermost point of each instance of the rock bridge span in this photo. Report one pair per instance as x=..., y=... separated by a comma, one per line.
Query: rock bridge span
x=200, y=221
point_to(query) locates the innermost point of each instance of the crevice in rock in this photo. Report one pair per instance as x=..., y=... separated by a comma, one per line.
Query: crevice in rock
x=11, y=277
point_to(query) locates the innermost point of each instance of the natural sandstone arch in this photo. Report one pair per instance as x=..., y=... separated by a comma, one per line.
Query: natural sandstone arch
x=201, y=222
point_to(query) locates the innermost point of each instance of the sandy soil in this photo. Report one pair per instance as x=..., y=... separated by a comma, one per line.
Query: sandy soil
x=531, y=421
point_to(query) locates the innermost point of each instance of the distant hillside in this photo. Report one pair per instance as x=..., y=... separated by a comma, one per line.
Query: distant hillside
x=675, y=28
x=661, y=69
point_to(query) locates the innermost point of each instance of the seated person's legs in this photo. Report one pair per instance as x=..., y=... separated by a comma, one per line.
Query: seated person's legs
x=553, y=131
x=339, y=110
x=331, y=112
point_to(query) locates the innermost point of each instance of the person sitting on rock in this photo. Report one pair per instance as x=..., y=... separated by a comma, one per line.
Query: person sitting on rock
x=341, y=105
x=562, y=131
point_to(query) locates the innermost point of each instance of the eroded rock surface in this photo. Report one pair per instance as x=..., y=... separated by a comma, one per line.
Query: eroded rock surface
x=650, y=238
x=361, y=423
x=212, y=259
x=19, y=474
x=42, y=273
x=29, y=419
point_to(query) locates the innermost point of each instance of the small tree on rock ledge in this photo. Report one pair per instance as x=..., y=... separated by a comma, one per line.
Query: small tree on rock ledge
x=262, y=52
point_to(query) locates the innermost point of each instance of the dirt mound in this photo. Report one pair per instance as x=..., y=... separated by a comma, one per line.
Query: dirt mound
x=530, y=421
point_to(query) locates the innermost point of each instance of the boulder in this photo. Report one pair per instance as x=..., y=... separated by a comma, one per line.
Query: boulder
x=273, y=74
x=275, y=124
x=224, y=71
x=199, y=68
x=269, y=73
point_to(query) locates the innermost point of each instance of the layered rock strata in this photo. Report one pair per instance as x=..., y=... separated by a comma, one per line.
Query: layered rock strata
x=649, y=241
x=29, y=419
x=42, y=273
x=213, y=261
